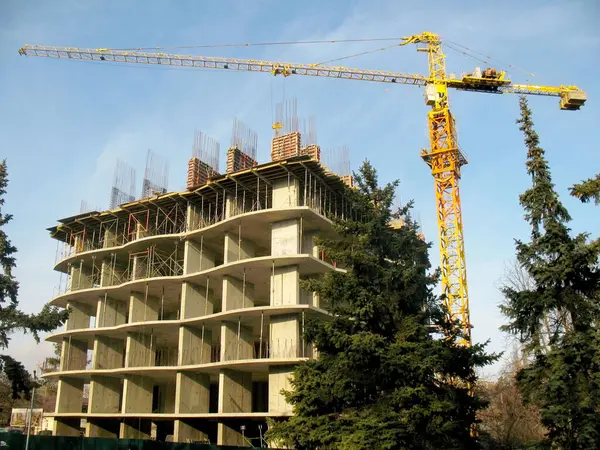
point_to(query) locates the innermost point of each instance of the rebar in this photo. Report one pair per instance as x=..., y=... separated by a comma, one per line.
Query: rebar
x=337, y=160
x=309, y=131
x=123, y=187
x=206, y=149
x=286, y=113
x=244, y=138
x=156, y=176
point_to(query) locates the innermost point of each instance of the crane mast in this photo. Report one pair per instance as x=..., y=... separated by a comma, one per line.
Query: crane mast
x=444, y=157
x=445, y=160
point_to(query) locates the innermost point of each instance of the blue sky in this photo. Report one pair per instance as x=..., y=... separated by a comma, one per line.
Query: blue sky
x=63, y=124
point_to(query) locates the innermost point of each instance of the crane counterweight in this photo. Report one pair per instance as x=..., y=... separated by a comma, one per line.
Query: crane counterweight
x=572, y=100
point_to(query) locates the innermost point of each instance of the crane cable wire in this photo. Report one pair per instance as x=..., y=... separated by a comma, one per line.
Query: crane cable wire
x=463, y=50
x=264, y=44
x=358, y=54
x=451, y=44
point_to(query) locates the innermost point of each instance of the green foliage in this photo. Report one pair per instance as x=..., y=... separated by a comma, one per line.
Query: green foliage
x=11, y=317
x=381, y=379
x=587, y=190
x=556, y=318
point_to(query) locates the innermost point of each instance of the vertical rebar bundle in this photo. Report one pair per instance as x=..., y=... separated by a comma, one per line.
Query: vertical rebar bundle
x=309, y=131
x=156, y=176
x=338, y=160
x=123, y=187
x=243, y=138
x=206, y=149
x=286, y=113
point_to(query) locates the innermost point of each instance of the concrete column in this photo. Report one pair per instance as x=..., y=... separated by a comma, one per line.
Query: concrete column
x=237, y=294
x=107, y=274
x=285, y=342
x=143, y=308
x=309, y=246
x=284, y=337
x=108, y=352
x=69, y=396
x=235, y=395
x=73, y=354
x=285, y=237
x=193, y=217
x=140, y=350
x=184, y=432
x=309, y=298
x=279, y=379
x=66, y=427
x=140, y=268
x=286, y=193
x=81, y=277
x=102, y=428
x=237, y=342
x=237, y=248
x=235, y=391
x=285, y=281
x=137, y=394
x=110, y=312
x=197, y=257
x=229, y=433
x=135, y=429
x=196, y=301
x=140, y=231
x=233, y=207
x=193, y=393
x=194, y=345
x=110, y=239
x=79, y=317
x=105, y=394
x=285, y=286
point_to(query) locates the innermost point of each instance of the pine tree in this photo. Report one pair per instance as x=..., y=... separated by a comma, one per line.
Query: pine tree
x=382, y=379
x=11, y=317
x=556, y=319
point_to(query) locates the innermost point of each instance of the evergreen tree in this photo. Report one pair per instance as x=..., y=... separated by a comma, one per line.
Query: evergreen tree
x=587, y=190
x=556, y=319
x=381, y=379
x=11, y=317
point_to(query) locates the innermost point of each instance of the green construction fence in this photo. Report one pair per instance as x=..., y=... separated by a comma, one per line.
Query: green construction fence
x=16, y=441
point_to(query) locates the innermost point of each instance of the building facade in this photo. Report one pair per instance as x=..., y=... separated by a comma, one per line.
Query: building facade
x=186, y=309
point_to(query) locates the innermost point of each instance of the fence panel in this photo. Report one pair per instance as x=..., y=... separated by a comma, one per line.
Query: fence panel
x=16, y=441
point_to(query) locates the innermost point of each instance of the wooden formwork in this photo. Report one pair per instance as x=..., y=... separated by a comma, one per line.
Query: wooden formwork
x=313, y=150
x=237, y=160
x=347, y=180
x=198, y=173
x=285, y=146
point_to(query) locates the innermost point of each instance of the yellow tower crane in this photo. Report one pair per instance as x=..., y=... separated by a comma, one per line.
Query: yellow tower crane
x=444, y=156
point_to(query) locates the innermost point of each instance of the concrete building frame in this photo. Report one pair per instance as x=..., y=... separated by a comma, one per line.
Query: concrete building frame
x=186, y=310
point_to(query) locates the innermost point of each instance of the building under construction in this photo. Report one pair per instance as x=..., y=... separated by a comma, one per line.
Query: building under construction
x=187, y=314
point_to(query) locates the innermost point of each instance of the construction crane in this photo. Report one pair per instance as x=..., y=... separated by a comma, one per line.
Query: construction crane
x=444, y=157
